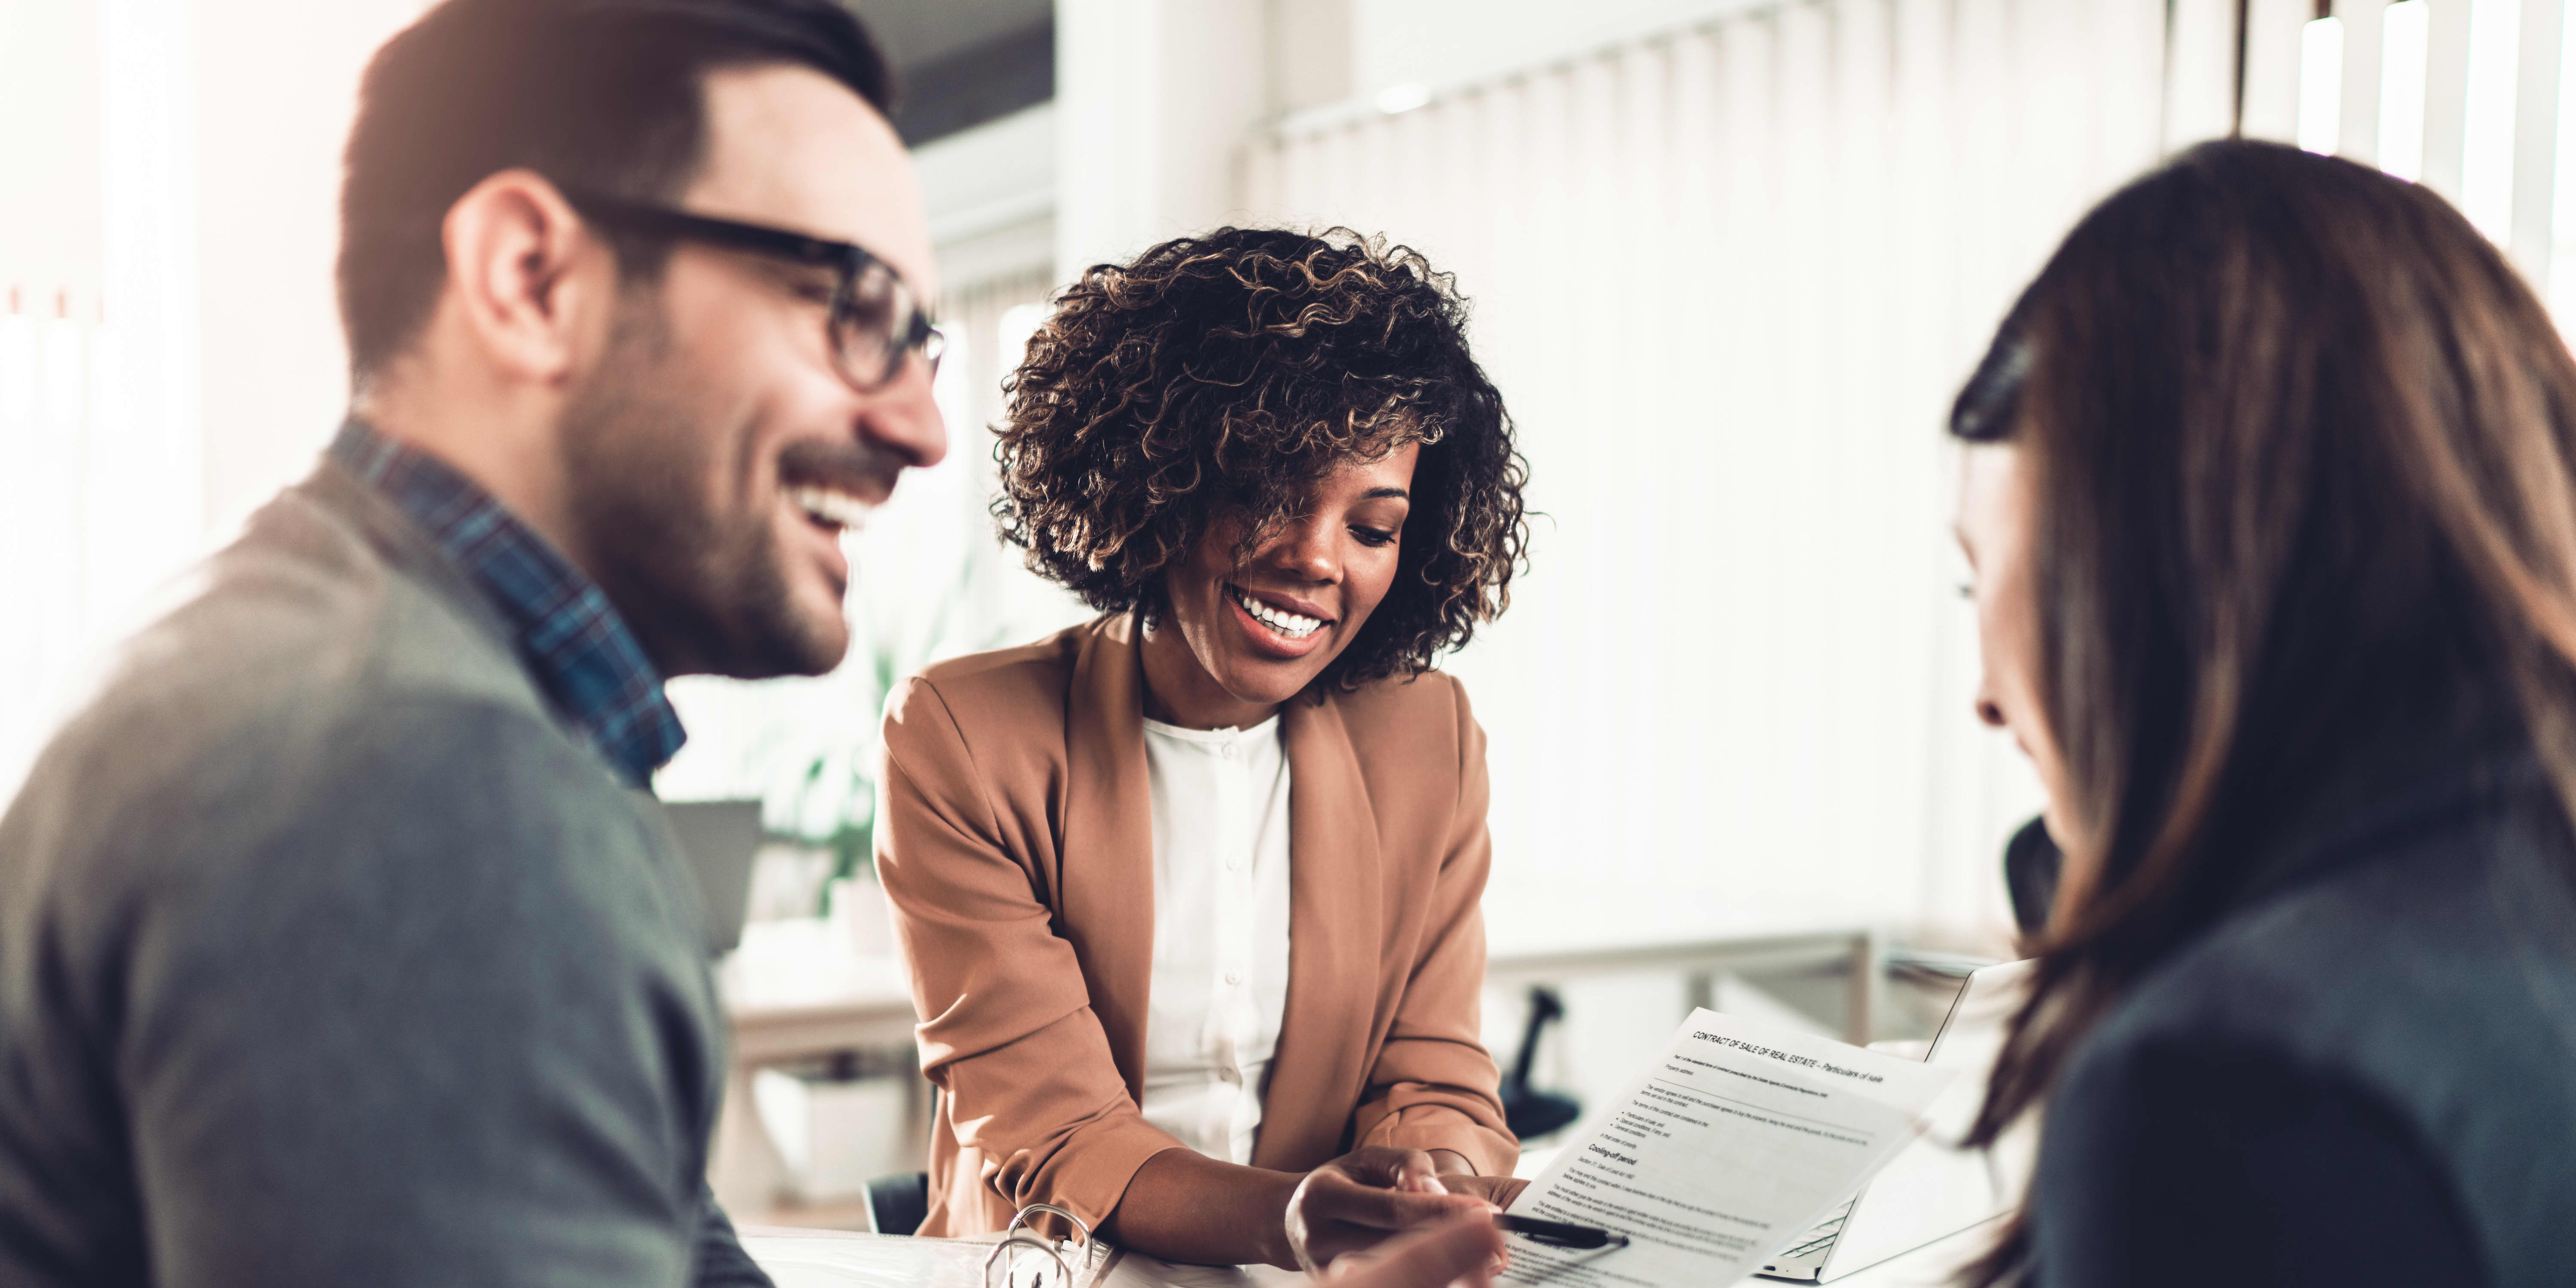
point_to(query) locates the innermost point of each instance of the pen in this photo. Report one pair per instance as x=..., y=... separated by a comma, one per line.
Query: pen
x=1559, y=1234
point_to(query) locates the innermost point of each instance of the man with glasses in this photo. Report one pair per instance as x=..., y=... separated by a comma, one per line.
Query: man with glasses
x=341, y=939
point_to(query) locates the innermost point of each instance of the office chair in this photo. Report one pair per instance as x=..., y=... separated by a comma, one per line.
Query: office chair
x=898, y=1204
x=1528, y=1113
x=2031, y=863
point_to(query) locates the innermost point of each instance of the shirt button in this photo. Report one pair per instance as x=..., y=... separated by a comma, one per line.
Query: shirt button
x=1229, y=751
x=1234, y=863
x=1234, y=977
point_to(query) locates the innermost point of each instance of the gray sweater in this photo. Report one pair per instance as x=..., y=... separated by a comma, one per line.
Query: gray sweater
x=329, y=955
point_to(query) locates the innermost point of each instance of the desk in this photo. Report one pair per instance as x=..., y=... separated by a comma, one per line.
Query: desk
x=832, y=1259
x=1934, y=1265
x=840, y=1259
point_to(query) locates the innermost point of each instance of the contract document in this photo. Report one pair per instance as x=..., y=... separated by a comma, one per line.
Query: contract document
x=1735, y=1141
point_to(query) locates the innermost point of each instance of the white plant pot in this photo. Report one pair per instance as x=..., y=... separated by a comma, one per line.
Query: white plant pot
x=834, y=1133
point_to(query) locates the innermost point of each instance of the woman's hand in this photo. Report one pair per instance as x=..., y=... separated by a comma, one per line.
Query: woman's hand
x=1458, y=1176
x=1359, y=1199
x=1466, y=1248
x=1497, y=1190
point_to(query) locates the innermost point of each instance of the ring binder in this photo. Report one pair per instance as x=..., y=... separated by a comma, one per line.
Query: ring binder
x=1021, y=1236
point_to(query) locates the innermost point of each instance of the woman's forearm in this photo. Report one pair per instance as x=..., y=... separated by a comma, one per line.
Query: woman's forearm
x=1184, y=1206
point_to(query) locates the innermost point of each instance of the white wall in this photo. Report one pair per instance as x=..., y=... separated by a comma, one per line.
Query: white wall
x=99, y=469
x=276, y=85
x=51, y=300
x=1436, y=43
x=1728, y=278
x=1153, y=100
x=49, y=189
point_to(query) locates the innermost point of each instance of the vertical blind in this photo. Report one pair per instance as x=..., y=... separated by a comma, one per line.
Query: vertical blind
x=1728, y=280
x=2462, y=95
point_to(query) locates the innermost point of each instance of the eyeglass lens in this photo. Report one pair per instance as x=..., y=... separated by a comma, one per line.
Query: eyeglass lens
x=873, y=328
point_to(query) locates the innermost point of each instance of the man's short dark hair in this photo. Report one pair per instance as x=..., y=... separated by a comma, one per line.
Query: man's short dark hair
x=606, y=95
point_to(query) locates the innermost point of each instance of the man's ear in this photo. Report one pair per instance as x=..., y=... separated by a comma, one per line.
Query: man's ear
x=532, y=286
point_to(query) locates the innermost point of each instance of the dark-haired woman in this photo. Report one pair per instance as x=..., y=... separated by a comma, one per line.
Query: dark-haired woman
x=1190, y=893
x=2271, y=494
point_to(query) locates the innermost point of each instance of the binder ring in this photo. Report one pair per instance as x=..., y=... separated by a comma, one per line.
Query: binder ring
x=1020, y=1220
x=1022, y=1233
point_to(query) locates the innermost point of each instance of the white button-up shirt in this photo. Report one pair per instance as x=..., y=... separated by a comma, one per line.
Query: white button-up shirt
x=1220, y=931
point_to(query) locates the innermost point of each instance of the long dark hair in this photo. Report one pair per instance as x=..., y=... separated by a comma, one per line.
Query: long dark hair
x=2303, y=448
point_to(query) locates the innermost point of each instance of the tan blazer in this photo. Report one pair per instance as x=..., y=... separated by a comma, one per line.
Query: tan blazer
x=1016, y=845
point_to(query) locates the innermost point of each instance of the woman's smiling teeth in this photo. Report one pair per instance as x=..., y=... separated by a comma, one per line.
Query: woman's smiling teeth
x=1289, y=625
x=831, y=506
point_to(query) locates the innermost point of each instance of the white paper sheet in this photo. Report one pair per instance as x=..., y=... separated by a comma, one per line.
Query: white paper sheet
x=1733, y=1142
x=844, y=1260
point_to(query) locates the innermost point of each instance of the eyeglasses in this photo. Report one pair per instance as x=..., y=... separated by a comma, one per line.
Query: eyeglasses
x=875, y=319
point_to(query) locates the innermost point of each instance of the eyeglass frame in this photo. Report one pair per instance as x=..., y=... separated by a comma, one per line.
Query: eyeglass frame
x=849, y=261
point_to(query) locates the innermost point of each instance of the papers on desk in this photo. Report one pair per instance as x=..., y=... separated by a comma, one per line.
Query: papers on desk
x=1736, y=1140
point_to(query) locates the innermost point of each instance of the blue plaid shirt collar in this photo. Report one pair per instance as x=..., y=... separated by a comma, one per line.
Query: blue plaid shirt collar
x=572, y=639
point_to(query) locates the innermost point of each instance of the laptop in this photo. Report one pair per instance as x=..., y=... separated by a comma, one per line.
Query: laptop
x=720, y=838
x=1930, y=1190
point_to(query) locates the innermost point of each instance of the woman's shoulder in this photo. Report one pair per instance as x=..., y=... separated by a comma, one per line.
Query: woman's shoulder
x=2388, y=968
x=1403, y=698
x=1000, y=688
x=1409, y=719
x=2451, y=927
x=2425, y=982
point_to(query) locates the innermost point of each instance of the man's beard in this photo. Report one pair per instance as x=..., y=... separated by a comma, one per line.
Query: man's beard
x=696, y=570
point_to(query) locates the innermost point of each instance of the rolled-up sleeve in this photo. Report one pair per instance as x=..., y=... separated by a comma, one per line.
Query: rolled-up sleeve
x=1007, y=1030
x=1434, y=1085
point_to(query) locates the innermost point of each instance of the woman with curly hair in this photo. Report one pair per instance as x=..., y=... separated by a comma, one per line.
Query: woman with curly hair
x=1190, y=892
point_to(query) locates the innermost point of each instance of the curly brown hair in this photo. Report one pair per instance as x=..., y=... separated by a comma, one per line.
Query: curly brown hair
x=1230, y=373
